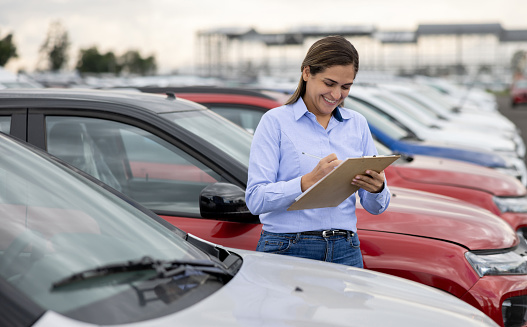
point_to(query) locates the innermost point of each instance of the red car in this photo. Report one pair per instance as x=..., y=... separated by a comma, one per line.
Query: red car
x=487, y=188
x=518, y=92
x=244, y=107
x=189, y=166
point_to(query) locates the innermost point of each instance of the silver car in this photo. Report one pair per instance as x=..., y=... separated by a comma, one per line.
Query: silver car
x=74, y=253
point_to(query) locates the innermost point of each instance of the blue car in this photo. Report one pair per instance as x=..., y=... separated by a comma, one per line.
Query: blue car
x=400, y=139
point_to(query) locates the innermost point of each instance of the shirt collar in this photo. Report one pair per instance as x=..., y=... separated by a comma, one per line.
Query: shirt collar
x=300, y=109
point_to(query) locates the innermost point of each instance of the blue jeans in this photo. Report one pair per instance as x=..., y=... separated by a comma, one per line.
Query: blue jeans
x=343, y=249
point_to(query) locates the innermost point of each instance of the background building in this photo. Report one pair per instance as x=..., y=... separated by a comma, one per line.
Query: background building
x=465, y=52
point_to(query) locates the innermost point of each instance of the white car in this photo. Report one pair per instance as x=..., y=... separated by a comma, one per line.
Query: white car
x=463, y=98
x=395, y=131
x=74, y=253
x=434, y=108
x=439, y=104
x=446, y=135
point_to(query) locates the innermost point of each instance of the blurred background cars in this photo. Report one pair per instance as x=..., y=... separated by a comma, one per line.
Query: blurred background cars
x=426, y=130
x=74, y=253
x=189, y=165
x=433, y=105
x=463, y=98
x=400, y=138
x=518, y=92
x=9, y=80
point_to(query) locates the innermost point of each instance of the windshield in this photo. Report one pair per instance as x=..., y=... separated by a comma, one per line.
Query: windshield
x=440, y=99
x=406, y=110
x=423, y=108
x=55, y=224
x=220, y=132
x=377, y=119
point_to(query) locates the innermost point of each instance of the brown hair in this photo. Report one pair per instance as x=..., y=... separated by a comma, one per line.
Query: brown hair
x=333, y=50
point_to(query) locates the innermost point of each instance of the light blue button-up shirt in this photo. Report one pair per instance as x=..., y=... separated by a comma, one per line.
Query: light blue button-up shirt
x=277, y=164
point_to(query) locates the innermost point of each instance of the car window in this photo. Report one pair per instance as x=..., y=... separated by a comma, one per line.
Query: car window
x=229, y=138
x=246, y=118
x=5, y=124
x=143, y=166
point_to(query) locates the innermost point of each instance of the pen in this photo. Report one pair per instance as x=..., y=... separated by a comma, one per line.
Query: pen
x=307, y=154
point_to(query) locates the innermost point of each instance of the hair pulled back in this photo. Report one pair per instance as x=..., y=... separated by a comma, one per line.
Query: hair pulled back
x=333, y=50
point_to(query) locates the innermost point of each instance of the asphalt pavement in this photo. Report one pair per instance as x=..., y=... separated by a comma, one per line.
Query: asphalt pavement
x=518, y=114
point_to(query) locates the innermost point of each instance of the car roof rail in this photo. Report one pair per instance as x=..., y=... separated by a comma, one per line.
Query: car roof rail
x=204, y=89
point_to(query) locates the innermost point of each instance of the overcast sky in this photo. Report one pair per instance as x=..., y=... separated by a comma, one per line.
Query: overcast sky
x=167, y=28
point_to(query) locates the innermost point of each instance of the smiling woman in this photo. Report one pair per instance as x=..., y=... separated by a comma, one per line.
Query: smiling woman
x=312, y=121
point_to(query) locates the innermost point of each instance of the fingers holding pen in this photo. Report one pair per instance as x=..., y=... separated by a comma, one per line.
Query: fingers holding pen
x=324, y=166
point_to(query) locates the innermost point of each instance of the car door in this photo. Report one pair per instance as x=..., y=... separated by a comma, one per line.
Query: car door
x=13, y=121
x=155, y=172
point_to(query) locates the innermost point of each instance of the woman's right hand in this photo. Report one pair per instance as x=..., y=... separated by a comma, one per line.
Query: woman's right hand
x=324, y=166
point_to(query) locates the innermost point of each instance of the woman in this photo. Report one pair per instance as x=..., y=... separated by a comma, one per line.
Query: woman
x=312, y=122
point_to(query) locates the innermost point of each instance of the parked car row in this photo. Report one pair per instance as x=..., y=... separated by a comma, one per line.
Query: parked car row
x=74, y=252
x=504, y=196
x=189, y=166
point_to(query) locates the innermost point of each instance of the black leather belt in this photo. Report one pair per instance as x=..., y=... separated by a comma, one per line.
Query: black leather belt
x=328, y=233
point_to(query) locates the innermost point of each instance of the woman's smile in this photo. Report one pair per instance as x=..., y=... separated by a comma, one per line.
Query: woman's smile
x=330, y=101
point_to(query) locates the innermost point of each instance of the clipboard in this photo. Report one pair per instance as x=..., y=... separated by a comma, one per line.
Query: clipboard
x=336, y=186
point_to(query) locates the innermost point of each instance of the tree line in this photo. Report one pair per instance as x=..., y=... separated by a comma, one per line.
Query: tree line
x=54, y=54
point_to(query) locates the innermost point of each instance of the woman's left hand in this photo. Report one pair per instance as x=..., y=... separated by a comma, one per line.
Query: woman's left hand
x=372, y=181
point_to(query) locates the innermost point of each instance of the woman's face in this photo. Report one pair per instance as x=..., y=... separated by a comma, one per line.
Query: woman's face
x=327, y=89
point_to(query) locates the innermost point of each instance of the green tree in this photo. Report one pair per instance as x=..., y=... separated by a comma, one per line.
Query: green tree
x=7, y=49
x=56, y=46
x=92, y=61
x=133, y=63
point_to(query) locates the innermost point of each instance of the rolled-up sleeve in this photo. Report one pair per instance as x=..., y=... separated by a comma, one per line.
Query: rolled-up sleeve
x=375, y=203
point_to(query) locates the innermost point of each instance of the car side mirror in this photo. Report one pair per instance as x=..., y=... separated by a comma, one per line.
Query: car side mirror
x=224, y=201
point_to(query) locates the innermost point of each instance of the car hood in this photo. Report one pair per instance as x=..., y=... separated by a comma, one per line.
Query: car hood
x=454, y=136
x=490, y=119
x=275, y=290
x=433, y=170
x=440, y=217
x=484, y=158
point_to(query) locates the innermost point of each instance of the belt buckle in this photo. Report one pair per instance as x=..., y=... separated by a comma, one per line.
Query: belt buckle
x=328, y=233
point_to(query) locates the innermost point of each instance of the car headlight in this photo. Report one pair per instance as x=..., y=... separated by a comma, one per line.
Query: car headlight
x=505, y=263
x=522, y=233
x=511, y=204
x=514, y=166
x=520, y=145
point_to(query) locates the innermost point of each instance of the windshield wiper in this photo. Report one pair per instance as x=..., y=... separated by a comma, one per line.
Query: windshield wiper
x=164, y=269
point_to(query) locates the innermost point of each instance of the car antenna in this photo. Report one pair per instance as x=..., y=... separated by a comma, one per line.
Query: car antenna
x=170, y=95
